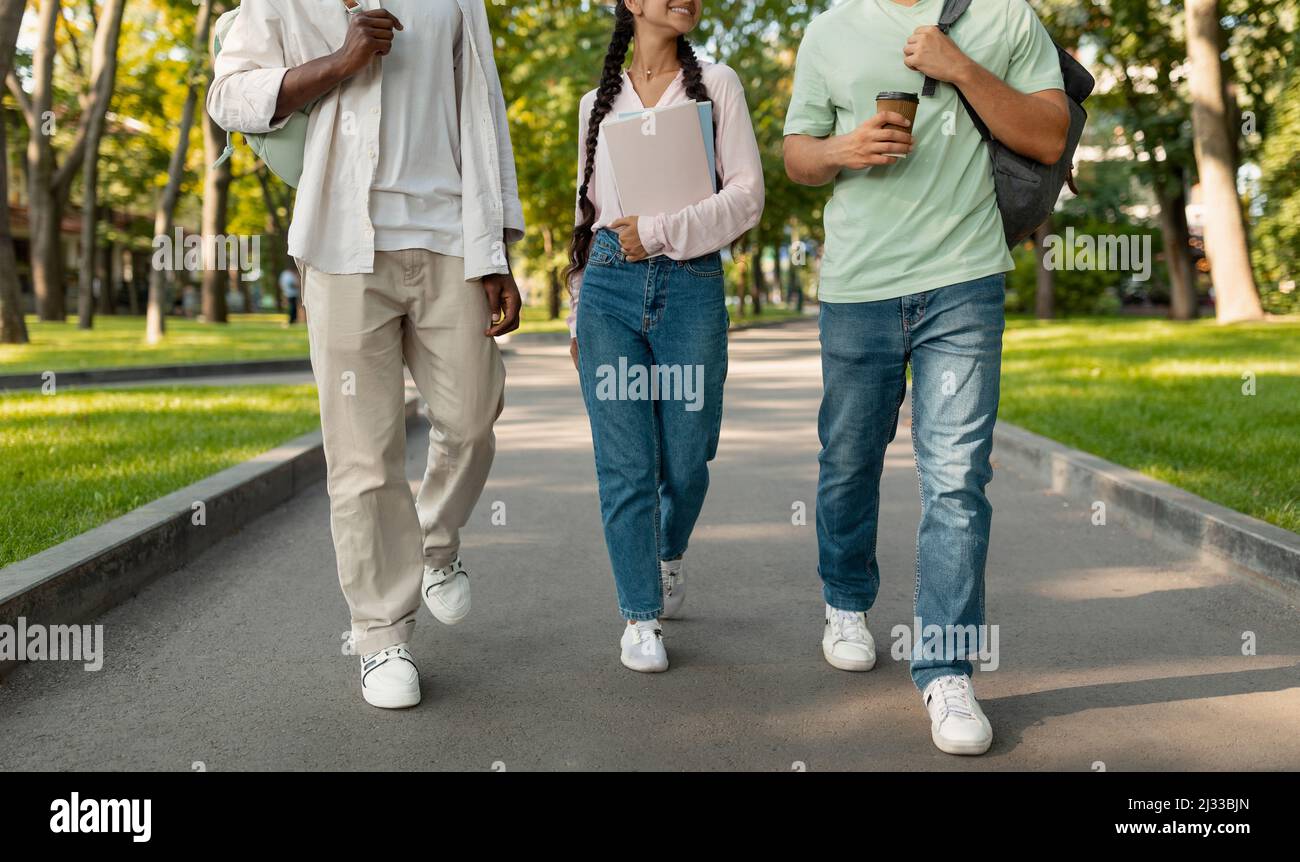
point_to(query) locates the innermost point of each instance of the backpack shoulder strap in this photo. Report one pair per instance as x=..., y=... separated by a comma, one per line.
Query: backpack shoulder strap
x=952, y=10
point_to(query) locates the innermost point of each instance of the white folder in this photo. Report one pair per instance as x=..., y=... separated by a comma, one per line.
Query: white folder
x=659, y=159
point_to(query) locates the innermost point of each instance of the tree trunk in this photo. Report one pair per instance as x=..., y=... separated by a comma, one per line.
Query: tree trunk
x=1235, y=294
x=553, y=288
x=89, y=244
x=279, y=248
x=108, y=287
x=1178, y=260
x=13, y=329
x=43, y=210
x=742, y=285
x=103, y=77
x=216, y=189
x=757, y=280
x=132, y=294
x=164, y=218
x=1045, y=282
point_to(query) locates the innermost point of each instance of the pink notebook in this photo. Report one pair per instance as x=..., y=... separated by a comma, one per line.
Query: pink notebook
x=659, y=161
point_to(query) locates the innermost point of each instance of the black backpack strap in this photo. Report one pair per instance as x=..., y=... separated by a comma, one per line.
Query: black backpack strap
x=952, y=10
x=975, y=118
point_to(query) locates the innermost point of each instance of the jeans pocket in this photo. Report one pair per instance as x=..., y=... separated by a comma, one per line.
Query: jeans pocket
x=705, y=266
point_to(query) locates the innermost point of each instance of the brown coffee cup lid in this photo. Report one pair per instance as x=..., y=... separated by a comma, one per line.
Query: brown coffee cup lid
x=897, y=96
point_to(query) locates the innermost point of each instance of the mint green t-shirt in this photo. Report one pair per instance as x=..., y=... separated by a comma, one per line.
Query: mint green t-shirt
x=930, y=219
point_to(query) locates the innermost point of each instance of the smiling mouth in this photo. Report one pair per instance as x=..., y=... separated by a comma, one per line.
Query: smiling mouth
x=681, y=10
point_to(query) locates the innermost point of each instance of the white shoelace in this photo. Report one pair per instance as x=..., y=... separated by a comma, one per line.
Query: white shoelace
x=848, y=625
x=955, y=695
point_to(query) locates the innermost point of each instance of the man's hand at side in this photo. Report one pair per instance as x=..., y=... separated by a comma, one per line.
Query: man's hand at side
x=503, y=302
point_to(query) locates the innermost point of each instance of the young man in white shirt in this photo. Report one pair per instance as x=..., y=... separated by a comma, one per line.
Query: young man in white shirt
x=407, y=201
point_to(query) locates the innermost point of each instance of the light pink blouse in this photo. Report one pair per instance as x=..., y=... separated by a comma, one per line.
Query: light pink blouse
x=714, y=222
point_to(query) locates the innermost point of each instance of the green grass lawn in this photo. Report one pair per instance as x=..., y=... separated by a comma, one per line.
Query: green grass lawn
x=771, y=314
x=535, y=318
x=71, y=461
x=1166, y=399
x=118, y=340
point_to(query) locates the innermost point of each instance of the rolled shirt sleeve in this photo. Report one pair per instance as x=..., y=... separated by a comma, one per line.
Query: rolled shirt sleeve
x=718, y=220
x=249, y=70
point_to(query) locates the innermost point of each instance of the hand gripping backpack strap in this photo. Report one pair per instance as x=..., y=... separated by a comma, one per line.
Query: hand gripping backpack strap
x=952, y=10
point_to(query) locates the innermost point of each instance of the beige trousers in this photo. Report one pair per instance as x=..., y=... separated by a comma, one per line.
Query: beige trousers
x=417, y=308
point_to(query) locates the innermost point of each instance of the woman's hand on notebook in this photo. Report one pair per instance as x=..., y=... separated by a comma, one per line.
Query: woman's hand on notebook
x=629, y=237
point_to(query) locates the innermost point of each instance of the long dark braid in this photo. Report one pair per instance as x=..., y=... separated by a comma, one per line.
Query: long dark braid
x=611, y=84
x=693, y=77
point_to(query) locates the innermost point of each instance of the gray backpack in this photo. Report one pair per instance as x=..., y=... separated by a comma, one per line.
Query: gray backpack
x=1027, y=189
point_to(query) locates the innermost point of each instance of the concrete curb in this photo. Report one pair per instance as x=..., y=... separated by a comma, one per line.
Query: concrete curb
x=1156, y=508
x=127, y=374
x=85, y=576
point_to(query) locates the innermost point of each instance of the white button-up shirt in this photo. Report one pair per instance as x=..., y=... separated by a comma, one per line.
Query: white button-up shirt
x=331, y=227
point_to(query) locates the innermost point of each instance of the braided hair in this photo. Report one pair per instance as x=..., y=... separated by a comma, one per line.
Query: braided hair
x=611, y=84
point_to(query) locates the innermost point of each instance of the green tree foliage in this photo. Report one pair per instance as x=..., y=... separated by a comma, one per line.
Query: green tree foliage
x=1277, y=245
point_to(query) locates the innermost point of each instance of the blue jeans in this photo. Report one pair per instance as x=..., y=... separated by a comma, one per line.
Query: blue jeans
x=652, y=441
x=952, y=338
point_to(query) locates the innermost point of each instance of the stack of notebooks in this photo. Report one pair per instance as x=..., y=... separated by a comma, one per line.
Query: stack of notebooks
x=663, y=157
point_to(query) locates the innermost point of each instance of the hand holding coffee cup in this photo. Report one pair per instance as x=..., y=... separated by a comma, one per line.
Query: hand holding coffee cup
x=878, y=141
x=900, y=104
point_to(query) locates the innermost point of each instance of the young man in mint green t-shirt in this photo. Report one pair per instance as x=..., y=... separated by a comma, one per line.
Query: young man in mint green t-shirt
x=912, y=274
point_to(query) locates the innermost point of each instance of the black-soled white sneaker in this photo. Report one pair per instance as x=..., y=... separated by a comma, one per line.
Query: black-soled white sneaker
x=446, y=592
x=389, y=678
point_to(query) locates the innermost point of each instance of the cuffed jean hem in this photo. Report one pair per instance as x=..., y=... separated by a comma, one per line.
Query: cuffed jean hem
x=384, y=638
x=844, y=601
x=922, y=678
x=640, y=616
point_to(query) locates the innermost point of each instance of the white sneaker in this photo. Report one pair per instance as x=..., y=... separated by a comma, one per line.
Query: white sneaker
x=446, y=592
x=643, y=647
x=389, y=679
x=846, y=640
x=672, y=577
x=957, y=724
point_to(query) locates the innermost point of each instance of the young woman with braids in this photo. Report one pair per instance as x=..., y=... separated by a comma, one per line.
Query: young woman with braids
x=647, y=293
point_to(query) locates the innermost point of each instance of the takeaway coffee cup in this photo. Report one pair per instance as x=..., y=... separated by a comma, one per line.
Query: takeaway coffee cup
x=900, y=103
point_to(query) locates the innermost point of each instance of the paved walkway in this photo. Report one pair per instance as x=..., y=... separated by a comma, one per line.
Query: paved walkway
x=1112, y=649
